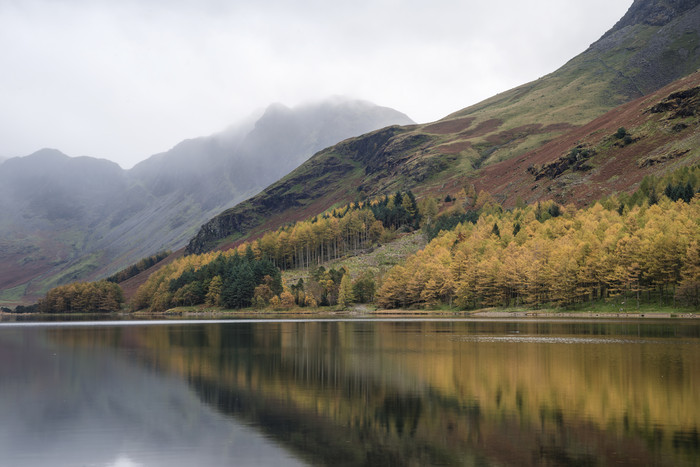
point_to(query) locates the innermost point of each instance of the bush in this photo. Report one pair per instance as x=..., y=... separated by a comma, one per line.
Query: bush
x=621, y=133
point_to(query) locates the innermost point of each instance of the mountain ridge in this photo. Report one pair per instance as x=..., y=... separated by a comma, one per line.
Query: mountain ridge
x=658, y=13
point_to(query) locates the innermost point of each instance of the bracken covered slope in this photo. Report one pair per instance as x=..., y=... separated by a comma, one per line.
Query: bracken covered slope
x=662, y=134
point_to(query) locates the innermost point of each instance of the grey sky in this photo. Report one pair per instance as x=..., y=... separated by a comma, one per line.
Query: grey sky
x=126, y=79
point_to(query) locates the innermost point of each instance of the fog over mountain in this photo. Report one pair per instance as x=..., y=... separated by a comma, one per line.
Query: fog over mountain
x=64, y=218
x=131, y=78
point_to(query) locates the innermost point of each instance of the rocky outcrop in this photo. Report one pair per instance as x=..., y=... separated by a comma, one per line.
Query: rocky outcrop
x=680, y=104
x=575, y=160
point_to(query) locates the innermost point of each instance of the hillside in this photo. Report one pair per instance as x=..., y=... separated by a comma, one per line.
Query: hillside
x=592, y=161
x=64, y=219
x=654, y=44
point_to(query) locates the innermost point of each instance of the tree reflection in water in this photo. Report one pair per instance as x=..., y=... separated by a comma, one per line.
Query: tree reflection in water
x=440, y=392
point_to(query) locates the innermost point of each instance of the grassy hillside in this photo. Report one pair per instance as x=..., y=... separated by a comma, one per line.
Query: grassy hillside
x=660, y=135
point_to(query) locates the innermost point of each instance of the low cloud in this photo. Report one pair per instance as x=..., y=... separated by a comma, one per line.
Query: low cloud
x=124, y=80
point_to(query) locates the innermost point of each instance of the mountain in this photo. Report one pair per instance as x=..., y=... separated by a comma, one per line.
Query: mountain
x=654, y=44
x=200, y=177
x=64, y=219
x=50, y=206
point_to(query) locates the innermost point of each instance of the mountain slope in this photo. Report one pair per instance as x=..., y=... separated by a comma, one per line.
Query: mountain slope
x=637, y=56
x=661, y=134
x=49, y=206
x=199, y=178
x=64, y=219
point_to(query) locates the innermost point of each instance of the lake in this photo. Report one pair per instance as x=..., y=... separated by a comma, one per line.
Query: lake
x=350, y=392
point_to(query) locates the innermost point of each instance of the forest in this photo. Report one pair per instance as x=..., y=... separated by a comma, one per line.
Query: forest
x=339, y=232
x=646, y=253
x=639, y=247
x=228, y=280
x=83, y=297
x=250, y=274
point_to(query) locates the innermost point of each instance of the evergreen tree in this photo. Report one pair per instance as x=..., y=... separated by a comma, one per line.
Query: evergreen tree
x=363, y=288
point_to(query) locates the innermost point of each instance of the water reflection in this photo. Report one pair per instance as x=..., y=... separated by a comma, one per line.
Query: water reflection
x=80, y=397
x=358, y=393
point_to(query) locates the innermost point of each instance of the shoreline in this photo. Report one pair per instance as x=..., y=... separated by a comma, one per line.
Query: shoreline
x=500, y=314
x=488, y=313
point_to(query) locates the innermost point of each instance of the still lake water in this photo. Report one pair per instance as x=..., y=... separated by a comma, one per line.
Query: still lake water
x=414, y=392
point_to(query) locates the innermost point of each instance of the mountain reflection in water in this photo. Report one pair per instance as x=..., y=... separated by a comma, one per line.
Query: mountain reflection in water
x=89, y=397
x=353, y=393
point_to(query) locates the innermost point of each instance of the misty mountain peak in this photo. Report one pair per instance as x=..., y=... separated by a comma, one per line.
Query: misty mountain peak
x=49, y=160
x=276, y=108
x=41, y=161
x=274, y=114
x=47, y=154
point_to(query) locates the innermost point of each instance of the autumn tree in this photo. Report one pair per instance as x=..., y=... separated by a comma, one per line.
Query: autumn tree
x=83, y=297
x=213, y=297
x=345, y=293
x=689, y=287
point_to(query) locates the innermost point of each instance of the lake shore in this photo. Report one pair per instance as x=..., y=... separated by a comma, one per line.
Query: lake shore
x=487, y=313
x=369, y=313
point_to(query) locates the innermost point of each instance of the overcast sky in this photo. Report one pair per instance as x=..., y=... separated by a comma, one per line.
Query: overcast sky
x=127, y=79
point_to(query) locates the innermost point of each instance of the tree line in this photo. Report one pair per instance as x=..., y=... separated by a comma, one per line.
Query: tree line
x=226, y=279
x=338, y=232
x=135, y=269
x=82, y=297
x=250, y=274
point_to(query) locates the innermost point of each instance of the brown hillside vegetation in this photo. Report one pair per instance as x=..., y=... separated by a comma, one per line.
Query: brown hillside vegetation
x=665, y=134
